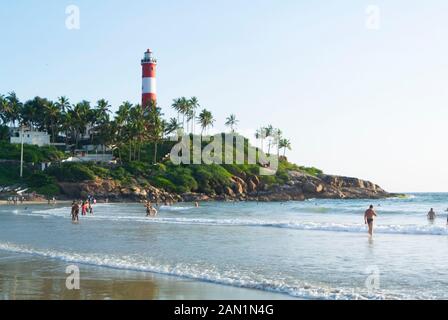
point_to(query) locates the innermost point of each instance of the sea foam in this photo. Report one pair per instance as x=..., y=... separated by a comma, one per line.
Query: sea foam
x=231, y=277
x=409, y=229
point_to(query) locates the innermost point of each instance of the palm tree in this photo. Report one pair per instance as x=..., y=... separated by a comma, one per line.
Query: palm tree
x=232, y=122
x=258, y=136
x=14, y=108
x=136, y=132
x=154, y=127
x=63, y=104
x=52, y=115
x=177, y=107
x=4, y=107
x=100, y=122
x=194, y=105
x=32, y=114
x=64, y=107
x=268, y=133
x=102, y=110
x=261, y=134
x=277, y=136
x=285, y=144
x=171, y=126
x=190, y=112
x=121, y=122
x=66, y=126
x=206, y=120
x=184, y=110
x=81, y=116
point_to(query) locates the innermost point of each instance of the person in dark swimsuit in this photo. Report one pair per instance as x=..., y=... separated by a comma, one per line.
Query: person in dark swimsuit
x=431, y=215
x=369, y=218
x=75, y=212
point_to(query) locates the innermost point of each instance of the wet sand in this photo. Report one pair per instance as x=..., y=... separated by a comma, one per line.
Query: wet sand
x=26, y=277
x=37, y=202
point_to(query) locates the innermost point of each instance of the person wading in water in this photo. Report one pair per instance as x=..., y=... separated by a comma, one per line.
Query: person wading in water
x=369, y=218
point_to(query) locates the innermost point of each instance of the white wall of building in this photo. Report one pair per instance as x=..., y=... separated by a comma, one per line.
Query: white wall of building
x=31, y=137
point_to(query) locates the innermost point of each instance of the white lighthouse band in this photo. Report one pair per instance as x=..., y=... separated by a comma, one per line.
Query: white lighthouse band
x=149, y=85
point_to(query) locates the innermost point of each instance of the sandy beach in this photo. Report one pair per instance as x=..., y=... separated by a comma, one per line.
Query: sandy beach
x=44, y=202
x=26, y=277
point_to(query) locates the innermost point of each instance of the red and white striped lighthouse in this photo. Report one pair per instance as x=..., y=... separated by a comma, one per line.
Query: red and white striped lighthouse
x=149, y=89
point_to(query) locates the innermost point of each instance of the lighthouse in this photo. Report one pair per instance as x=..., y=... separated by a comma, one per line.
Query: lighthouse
x=149, y=90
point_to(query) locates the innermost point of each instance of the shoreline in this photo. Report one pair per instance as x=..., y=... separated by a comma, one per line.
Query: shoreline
x=30, y=277
x=36, y=202
x=128, y=201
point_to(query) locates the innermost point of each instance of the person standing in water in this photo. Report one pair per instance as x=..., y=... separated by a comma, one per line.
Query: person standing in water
x=148, y=207
x=90, y=208
x=153, y=211
x=84, y=208
x=369, y=218
x=75, y=212
x=150, y=210
x=431, y=215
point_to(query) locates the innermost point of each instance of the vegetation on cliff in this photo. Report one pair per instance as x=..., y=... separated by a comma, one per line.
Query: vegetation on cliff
x=139, y=138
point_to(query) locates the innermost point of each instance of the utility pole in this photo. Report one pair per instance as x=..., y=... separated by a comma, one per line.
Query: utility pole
x=21, y=154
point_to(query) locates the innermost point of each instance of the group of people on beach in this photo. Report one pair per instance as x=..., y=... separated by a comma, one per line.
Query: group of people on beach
x=15, y=200
x=86, y=207
x=370, y=215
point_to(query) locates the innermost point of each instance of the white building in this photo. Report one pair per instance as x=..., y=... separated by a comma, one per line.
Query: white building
x=106, y=158
x=37, y=138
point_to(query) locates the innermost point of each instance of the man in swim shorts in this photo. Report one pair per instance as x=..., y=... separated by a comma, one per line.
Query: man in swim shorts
x=75, y=212
x=369, y=218
x=431, y=215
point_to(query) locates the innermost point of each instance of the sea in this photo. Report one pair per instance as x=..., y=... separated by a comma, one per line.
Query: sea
x=316, y=249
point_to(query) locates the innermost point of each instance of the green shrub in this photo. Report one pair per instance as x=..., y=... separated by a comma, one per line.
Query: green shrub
x=99, y=171
x=39, y=179
x=138, y=168
x=182, y=178
x=71, y=172
x=163, y=183
x=4, y=133
x=268, y=180
x=30, y=153
x=311, y=171
x=120, y=174
x=211, y=177
x=48, y=190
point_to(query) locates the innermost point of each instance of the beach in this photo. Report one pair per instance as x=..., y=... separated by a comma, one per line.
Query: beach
x=27, y=277
x=316, y=249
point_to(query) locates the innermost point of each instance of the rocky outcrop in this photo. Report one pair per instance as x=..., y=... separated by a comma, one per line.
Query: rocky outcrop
x=114, y=191
x=300, y=186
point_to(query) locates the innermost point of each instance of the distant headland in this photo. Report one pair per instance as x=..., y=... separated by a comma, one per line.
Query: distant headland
x=70, y=151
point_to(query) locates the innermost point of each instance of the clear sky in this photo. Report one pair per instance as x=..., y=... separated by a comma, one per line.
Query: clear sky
x=356, y=101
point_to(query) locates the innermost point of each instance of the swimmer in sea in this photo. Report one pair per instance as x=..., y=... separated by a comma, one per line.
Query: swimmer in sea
x=75, y=212
x=369, y=218
x=153, y=211
x=148, y=208
x=431, y=215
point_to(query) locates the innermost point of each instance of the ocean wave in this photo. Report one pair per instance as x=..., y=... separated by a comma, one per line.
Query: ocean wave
x=171, y=208
x=231, y=277
x=409, y=229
